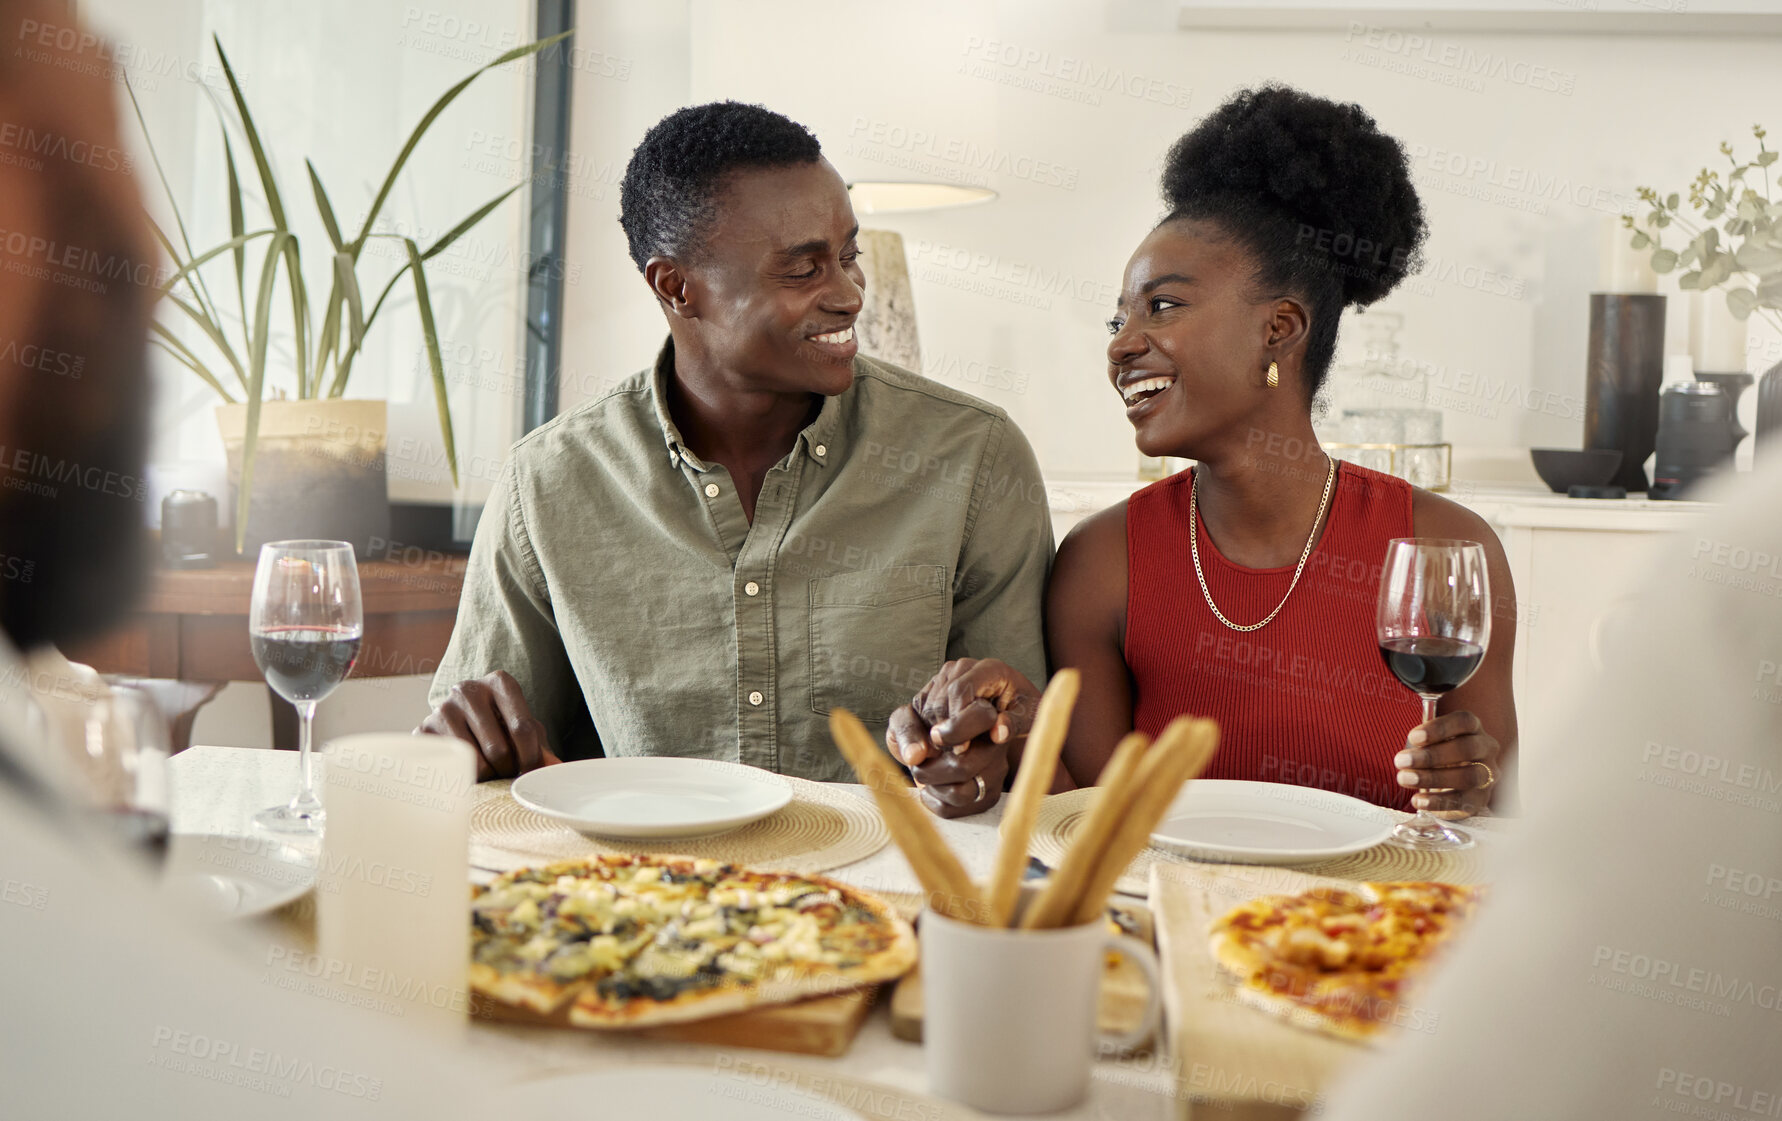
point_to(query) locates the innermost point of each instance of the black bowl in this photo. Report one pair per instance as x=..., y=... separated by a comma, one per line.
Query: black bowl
x=1564, y=468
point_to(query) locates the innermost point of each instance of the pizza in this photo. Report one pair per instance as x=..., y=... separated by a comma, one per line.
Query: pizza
x=630, y=940
x=1340, y=959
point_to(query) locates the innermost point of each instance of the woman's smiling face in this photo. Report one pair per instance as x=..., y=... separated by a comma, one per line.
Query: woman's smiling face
x=1190, y=346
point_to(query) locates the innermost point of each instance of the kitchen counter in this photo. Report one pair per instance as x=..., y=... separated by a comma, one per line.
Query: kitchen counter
x=1503, y=504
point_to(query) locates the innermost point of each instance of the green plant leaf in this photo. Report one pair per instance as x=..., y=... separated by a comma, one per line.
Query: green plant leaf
x=1688, y=256
x=1672, y=201
x=171, y=343
x=424, y=303
x=1716, y=270
x=236, y=221
x=438, y=247
x=1764, y=159
x=199, y=290
x=233, y=244
x=1689, y=280
x=349, y=287
x=1664, y=260
x=299, y=310
x=214, y=333
x=383, y=192
x=1758, y=256
x=1741, y=302
x=275, y=202
x=257, y=380
x=275, y=206
x=325, y=207
x=1640, y=240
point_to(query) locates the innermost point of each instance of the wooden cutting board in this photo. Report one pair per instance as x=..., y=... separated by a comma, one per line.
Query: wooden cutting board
x=823, y=1025
x=1240, y=1061
x=1123, y=987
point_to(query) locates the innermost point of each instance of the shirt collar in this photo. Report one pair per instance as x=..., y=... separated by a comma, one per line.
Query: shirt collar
x=818, y=441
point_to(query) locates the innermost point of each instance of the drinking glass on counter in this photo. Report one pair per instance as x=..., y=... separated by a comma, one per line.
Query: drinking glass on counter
x=305, y=623
x=1433, y=623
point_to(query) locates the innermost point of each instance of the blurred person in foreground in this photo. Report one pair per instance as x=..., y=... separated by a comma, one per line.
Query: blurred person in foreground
x=113, y=1003
x=1627, y=963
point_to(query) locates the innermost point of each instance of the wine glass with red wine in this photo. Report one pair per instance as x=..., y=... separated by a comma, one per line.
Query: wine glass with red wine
x=1434, y=622
x=305, y=623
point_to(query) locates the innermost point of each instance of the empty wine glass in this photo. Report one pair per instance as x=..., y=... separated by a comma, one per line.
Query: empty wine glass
x=305, y=623
x=1433, y=623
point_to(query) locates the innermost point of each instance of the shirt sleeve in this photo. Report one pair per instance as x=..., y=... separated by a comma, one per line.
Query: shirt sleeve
x=1000, y=584
x=506, y=622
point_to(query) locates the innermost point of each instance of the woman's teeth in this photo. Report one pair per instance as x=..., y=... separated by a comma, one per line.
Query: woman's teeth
x=846, y=334
x=1139, y=390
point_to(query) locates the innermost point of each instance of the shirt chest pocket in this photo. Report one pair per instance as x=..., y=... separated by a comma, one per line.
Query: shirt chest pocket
x=877, y=637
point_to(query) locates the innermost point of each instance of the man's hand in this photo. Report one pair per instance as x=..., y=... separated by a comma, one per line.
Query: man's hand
x=1453, y=763
x=491, y=715
x=958, y=731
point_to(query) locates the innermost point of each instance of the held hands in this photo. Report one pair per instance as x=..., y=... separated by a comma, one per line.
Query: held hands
x=492, y=715
x=958, y=731
x=1453, y=763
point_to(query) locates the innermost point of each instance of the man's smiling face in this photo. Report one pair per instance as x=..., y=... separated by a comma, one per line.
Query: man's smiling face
x=776, y=286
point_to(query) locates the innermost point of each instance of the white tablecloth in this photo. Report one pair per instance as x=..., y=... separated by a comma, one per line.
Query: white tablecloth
x=218, y=789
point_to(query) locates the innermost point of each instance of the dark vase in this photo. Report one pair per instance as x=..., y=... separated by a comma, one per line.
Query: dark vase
x=1769, y=413
x=1626, y=368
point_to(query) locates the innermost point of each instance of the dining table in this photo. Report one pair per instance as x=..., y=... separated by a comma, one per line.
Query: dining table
x=215, y=790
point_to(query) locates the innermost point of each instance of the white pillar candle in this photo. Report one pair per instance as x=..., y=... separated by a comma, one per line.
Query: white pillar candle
x=1624, y=268
x=1716, y=336
x=392, y=922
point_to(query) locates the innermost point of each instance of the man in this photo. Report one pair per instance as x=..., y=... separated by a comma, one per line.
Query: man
x=764, y=527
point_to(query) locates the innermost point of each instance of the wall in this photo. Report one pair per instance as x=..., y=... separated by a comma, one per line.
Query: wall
x=1069, y=120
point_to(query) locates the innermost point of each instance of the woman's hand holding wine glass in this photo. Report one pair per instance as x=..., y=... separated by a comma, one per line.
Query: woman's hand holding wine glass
x=1433, y=624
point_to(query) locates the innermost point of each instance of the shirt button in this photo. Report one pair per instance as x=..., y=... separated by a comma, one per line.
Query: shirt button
x=755, y=698
x=711, y=490
x=752, y=588
x=822, y=450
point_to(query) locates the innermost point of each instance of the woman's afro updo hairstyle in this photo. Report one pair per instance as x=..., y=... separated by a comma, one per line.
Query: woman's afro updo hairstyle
x=1318, y=195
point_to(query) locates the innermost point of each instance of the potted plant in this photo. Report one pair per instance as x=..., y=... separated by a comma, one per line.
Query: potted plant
x=1746, y=264
x=310, y=464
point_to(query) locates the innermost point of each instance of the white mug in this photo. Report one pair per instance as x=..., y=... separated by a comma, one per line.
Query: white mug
x=1008, y=1018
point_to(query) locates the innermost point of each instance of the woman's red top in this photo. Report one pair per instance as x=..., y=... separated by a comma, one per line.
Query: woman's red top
x=1306, y=699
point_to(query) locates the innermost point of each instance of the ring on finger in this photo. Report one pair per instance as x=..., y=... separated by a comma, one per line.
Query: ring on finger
x=1490, y=775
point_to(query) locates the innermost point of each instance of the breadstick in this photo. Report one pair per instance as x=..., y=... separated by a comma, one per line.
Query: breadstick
x=944, y=880
x=1073, y=871
x=1182, y=752
x=1039, y=761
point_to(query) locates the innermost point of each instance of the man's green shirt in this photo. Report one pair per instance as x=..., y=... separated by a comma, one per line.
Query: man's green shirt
x=616, y=577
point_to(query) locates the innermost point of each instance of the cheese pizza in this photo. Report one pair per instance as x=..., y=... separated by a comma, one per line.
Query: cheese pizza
x=630, y=941
x=1339, y=959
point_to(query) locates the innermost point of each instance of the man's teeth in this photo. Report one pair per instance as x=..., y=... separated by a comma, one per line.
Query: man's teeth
x=1139, y=388
x=838, y=337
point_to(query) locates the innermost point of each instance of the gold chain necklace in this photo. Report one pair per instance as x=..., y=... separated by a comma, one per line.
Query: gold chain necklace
x=1194, y=547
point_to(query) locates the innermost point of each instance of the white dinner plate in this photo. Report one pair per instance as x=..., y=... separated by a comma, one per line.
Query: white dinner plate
x=1269, y=823
x=236, y=877
x=655, y=796
x=663, y=1093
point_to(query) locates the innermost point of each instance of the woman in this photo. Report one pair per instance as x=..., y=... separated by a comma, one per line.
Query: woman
x=1244, y=589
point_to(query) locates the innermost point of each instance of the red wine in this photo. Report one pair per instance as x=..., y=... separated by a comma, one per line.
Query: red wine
x=305, y=663
x=1431, y=665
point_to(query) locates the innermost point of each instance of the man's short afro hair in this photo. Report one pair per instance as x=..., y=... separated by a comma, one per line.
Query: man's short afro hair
x=1321, y=198
x=667, y=198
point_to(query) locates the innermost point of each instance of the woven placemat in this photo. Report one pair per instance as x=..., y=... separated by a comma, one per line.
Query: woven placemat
x=1061, y=815
x=821, y=828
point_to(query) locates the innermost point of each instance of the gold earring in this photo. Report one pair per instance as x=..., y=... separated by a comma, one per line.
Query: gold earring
x=1274, y=375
